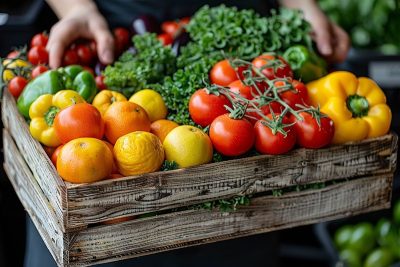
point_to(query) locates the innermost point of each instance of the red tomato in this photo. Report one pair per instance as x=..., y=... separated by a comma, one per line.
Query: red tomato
x=38, y=70
x=122, y=39
x=170, y=27
x=238, y=87
x=89, y=69
x=165, y=38
x=222, y=73
x=268, y=143
x=39, y=39
x=79, y=120
x=297, y=96
x=55, y=155
x=282, y=71
x=100, y=82
x=184, y=21
x=204, y=107
x=70, y=57
x=310, y=134
x=17, y=85
x=231, y=137
x=84, y=54
x=38, y=55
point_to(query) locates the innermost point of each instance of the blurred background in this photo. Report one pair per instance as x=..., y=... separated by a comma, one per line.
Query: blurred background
x=373, y=27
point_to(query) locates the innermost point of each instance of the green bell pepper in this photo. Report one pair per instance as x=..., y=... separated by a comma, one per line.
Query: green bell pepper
x=47, y=83
x=72, y=77
x=306, y=64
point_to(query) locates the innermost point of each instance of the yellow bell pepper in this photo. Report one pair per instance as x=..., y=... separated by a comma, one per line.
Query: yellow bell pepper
x=357, y=106
x=43, y=111
x=105, y=98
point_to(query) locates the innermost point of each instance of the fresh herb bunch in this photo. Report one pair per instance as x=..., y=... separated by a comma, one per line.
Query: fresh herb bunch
x=225, y=205
x=134, y=71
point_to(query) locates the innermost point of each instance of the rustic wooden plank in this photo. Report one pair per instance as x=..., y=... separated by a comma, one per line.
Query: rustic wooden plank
x=42, y=168
x=33, y=199
x=91, y=203
x=181, y=229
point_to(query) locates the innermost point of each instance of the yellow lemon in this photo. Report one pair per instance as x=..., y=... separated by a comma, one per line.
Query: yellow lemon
x=152, y=102
x=188, y=146
x=138, y=152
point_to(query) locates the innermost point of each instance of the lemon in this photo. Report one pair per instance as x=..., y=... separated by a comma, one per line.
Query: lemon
x=138, y=152
x=152, y=102
x=188, y=146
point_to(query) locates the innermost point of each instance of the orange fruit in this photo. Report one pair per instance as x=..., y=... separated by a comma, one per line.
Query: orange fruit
x=111, y=147
x=162, y=127
x=138, y=152
x=84, y=160
x=188, y=146
x=124, y=117
x=105, y=98
x=152, y=102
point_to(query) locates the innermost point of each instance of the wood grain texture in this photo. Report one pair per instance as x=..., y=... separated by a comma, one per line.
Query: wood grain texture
x=91, y=203
x=181, y=229
x=33, y=199
x=39, y=163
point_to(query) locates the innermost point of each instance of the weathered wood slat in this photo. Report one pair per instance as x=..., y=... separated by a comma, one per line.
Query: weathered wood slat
x=42, y=168
x=33, y=199
x=187, y=228
x=91, y=203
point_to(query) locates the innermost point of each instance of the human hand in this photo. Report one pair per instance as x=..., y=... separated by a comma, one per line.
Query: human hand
x=332, y=41
x=80, y=22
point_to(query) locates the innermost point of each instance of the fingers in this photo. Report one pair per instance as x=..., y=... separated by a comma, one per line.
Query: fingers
x=61, y=35
x=104, y=41
x=341, y=44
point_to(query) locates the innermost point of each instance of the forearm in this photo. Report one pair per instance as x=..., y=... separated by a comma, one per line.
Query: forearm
x=64, y=7
x=298, y=4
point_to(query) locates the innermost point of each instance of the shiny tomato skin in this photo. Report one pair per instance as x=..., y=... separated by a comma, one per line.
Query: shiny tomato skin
x=38, y=70
x=231, y=137
x=17, y=85
x=204, y=107
x=38, y=55
x=39, y=39
x=85, y=54
x=283, y=71
x=170, y=27
x=238, y=87
x=79, y=120
x=297, y=96
x=70, y=57
x=310, y=134
x=268, y=143
x=100, y=82
x=222, y=73
x=165, y=38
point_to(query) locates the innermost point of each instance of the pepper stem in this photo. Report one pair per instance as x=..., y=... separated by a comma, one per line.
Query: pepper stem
x=50, y=115
x=358, y=105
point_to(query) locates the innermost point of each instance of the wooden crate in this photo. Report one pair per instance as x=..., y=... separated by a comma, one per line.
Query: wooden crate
x=358, y=179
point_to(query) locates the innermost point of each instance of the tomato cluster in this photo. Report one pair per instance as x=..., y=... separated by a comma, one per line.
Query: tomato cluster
x=171, y=29
x=258, y=104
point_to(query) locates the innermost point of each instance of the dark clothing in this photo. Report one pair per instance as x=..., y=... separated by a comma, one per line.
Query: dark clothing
x=123, y=12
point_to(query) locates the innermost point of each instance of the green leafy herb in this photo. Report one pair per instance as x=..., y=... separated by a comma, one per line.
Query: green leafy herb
x=225, y=205
x=151, y=63
x=169, y=166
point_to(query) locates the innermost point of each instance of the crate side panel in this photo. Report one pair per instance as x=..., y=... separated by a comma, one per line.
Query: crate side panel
x=33, y=199
x=92, y=203
x=39, y=163
x=194, y=227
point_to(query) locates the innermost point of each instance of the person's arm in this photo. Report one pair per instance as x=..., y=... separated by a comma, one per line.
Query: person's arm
x=78, y=18
x=332, y=41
